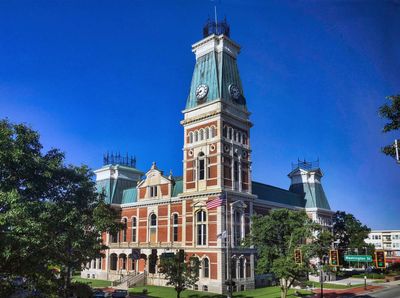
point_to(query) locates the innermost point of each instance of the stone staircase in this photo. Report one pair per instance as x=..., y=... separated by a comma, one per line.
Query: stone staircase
x=129, y=280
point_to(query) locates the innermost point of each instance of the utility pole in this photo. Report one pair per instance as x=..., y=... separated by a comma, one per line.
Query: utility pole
x=396, y=148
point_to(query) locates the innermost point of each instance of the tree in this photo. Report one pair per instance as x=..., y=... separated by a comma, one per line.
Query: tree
x=50, y=214
x=391, y=112
x=276, y=236
x=178, y=273
x=349, y=232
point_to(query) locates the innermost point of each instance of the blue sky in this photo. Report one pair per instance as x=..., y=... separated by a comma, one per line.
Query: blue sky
x=93, y=76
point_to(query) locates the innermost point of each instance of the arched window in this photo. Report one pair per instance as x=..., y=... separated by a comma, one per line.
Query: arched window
x=191, y=137
x=196, y=136
x=237, y=227
x=235, y=135
x=236, y=171
x=206, y=268
x=239, y=137
x=201, y=227
x=207, y=133
x=241, y=268
x=244, y=137
x=124, y=229
x=202, y=162
x=229, y=133
x=213, y=131
x=134, y=229
x=133, y=263
x=201, y=134
x=94, y=264
x=123, y=261
x=113, y=261
x=153, y=228
x=225, y=131
x=233, y=267
x=175, y=227
x=114, y=237
x=100, y=261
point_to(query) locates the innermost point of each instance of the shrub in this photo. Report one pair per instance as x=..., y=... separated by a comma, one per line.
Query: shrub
x=82, y=290
x=144, y=291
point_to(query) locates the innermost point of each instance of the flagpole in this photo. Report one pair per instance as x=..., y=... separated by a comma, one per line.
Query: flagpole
x=228, y=259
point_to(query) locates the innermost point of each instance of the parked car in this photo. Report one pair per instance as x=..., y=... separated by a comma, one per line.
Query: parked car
x=120, y=294
x=101, y=294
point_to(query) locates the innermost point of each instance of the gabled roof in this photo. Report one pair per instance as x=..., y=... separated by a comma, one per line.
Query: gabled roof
x=278, y=195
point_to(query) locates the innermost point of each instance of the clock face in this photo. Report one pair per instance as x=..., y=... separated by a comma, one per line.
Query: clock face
x=201, y=91
x=234, y=91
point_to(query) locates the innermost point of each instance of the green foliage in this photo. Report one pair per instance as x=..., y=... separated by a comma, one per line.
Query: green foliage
x=276, y=236
x=178, y=273
x=391, y=112
x=350, y=233
x=50, y=214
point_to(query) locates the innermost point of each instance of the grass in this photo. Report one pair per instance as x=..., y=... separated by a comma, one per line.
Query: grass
x=167, y=292
x=94, y=283
x=369, y=275
x=330, y=286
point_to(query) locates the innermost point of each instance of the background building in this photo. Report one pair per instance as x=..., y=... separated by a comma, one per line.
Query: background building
x=163, y=213
x=387, y=240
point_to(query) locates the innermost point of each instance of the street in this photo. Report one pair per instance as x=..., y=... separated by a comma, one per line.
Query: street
x=390, y=292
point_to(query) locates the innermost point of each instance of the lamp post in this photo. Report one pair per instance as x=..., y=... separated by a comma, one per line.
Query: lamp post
x=365, y=282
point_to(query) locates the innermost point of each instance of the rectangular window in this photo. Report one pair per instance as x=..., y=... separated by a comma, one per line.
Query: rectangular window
x=176, y=233
x=153, y=191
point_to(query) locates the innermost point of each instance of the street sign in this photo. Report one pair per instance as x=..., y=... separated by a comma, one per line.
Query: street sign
x=357, y=258
x=168, y=255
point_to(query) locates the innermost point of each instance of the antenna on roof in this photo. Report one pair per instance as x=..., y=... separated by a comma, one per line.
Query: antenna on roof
x=215, y=13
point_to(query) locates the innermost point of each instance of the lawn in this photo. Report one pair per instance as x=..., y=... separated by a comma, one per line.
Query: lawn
x=330, y=286
x=94, y=283
x=167, y=292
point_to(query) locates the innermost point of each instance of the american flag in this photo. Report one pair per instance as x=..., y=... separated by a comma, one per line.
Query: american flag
x=221, y=200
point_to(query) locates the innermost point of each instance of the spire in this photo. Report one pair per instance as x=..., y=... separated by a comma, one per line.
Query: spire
x=216, y=74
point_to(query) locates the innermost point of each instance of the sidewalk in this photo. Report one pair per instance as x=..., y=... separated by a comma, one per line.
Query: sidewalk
x=336, y=293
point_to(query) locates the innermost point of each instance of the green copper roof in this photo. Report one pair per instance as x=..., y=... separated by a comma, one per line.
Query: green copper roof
x=313, y=193
x=113, y=189
x=178, y=187
x=129, y=196
x=218, y=71
x=277, y=195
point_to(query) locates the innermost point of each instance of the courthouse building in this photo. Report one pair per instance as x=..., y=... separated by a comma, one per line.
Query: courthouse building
x=163, y=213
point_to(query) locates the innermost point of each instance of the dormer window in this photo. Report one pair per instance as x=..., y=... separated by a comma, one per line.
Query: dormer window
x=153, y=191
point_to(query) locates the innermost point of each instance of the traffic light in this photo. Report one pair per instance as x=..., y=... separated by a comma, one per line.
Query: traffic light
x=380, y=259
x=334, y=257
x=297, y=256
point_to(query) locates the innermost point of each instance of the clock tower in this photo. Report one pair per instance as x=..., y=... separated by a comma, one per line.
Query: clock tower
x=216, y=120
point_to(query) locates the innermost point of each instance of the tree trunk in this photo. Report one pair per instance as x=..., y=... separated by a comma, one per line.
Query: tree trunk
x=178, y=294
x=284, y=288
x=67, y=282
